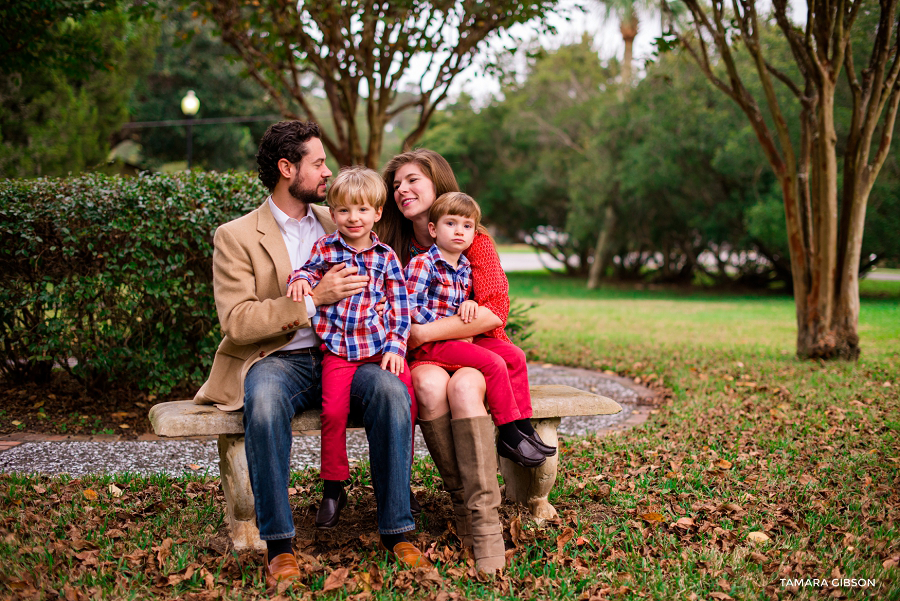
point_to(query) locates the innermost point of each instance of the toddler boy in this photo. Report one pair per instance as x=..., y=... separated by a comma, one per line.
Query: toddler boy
x=438, y=283
x=352, y=331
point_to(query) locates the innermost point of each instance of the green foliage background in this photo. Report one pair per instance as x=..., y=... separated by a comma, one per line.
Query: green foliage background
x=65, y=89
x=116, y=273
x=673, y=155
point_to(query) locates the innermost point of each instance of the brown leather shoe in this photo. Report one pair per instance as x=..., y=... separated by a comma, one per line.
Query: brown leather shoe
x=407, y=555
x=283, y=567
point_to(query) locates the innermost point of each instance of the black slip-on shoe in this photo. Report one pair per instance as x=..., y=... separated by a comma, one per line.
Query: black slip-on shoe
x=546, y=449
x=525, y=453
x=414, y=506
x=330, y=511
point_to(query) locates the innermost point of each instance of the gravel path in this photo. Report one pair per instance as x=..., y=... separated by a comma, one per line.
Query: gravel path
x=78, y=458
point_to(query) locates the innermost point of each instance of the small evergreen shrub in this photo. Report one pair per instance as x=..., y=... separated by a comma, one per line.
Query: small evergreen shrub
x=115, y=273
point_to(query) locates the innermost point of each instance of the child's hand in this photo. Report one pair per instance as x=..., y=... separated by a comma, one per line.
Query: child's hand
x=393, y=363
x=468, y=311
x=299, y=289
x=466, y=339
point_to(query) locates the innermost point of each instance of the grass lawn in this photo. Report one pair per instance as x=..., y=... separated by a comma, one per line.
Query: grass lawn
x=755, y=469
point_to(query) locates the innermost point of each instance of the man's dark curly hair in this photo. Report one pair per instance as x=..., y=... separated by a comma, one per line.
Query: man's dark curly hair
x=283, y=140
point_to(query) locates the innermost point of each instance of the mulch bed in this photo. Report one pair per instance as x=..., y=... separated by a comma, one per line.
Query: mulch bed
x=62, y=406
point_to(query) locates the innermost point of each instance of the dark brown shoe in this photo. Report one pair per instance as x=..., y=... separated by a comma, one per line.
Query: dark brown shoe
x=283, y=567
x=414, y=506
x=330, y=511
x=407, y=555
x=525, y=453
x=546, y=449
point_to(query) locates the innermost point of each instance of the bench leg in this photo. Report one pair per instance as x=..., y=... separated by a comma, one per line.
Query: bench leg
x=239, y=509
x=532, y=486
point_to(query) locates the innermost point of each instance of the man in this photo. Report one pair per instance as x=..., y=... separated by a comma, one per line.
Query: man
x=269, y=363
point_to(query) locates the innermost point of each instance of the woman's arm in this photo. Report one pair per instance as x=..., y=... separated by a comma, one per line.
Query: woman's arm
x=489, y=283
x=453, y=328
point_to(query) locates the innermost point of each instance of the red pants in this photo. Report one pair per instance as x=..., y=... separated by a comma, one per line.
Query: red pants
x=337, y=375
x=502, y=364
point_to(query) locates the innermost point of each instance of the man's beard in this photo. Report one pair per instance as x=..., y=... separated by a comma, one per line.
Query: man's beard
x=304, y=195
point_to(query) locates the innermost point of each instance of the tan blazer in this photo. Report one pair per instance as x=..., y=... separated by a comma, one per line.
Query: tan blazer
x=251, y=267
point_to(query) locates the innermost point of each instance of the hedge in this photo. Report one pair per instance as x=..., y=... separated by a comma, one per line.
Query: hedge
x=115, y=273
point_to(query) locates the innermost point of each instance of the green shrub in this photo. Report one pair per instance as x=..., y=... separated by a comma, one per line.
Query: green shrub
x=115, y=273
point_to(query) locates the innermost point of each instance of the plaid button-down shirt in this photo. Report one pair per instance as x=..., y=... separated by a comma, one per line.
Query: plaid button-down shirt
x=435, y=288
x=351, y=328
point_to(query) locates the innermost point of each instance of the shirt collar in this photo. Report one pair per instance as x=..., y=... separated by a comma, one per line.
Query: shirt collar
x=335, y=238
x=434, y=254
x=281, y=218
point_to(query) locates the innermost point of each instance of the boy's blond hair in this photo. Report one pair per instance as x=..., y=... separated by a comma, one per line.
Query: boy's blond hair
x=458, y=204
x=355, y=186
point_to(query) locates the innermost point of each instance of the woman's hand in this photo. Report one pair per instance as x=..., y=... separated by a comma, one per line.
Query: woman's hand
x=416, y=336
x=338, y=283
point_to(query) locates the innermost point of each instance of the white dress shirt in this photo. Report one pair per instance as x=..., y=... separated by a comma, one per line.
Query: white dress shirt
x=299, y=237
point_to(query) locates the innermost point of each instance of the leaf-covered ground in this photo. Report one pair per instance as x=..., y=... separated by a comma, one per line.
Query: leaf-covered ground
x=750, y=473
x=758, y=476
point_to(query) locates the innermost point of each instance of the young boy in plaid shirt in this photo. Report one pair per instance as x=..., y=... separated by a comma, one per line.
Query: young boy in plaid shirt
x=352, y=331
x=438, y=282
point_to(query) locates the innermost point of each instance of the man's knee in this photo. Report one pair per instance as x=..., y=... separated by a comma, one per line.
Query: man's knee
x=381, y=389
x=266, y=397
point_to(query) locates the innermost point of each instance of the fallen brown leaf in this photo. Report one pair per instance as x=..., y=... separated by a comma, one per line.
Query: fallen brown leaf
x=684, y=522
x=515, y=530
x=806, y=479
x=652, y=517
x=163, y=551
x=564, y=537
x=337, y=579
x=758, y=537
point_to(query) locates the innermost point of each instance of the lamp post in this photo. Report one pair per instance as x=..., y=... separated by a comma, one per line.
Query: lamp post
x=190, y=104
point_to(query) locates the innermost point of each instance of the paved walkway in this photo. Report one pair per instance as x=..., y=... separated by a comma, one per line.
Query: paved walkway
x=77, y=457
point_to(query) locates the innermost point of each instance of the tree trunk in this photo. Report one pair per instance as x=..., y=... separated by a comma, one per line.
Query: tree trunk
x=828, y=313
x=603, y=251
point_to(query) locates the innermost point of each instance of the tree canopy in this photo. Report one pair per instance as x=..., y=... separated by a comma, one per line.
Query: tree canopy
x=65, y=83
x=358, y=55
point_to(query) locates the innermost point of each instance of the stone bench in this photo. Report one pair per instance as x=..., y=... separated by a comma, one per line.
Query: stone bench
x=529, y=487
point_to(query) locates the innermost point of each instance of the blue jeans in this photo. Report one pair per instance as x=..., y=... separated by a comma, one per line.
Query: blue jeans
x=280, y=386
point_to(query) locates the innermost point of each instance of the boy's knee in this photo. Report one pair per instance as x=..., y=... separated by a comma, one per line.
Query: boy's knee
x=517, y=356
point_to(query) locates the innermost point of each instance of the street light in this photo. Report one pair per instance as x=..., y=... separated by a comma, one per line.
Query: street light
x=190, y=104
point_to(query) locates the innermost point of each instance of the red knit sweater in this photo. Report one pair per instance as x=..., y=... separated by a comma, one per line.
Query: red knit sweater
x=489, y=283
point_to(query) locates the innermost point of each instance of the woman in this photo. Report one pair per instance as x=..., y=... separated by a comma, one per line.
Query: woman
x=457, y=429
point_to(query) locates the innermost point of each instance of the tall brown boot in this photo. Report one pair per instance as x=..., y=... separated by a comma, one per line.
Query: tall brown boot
x=476, y=456
x=438, y=437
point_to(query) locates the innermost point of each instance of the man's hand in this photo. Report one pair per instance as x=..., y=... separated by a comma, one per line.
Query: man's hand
x=299, y=289
x=393, y=363
x=338, y=283
x=468, y=311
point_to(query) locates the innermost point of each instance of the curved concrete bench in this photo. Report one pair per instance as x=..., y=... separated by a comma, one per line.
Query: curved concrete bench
x=529, y=487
